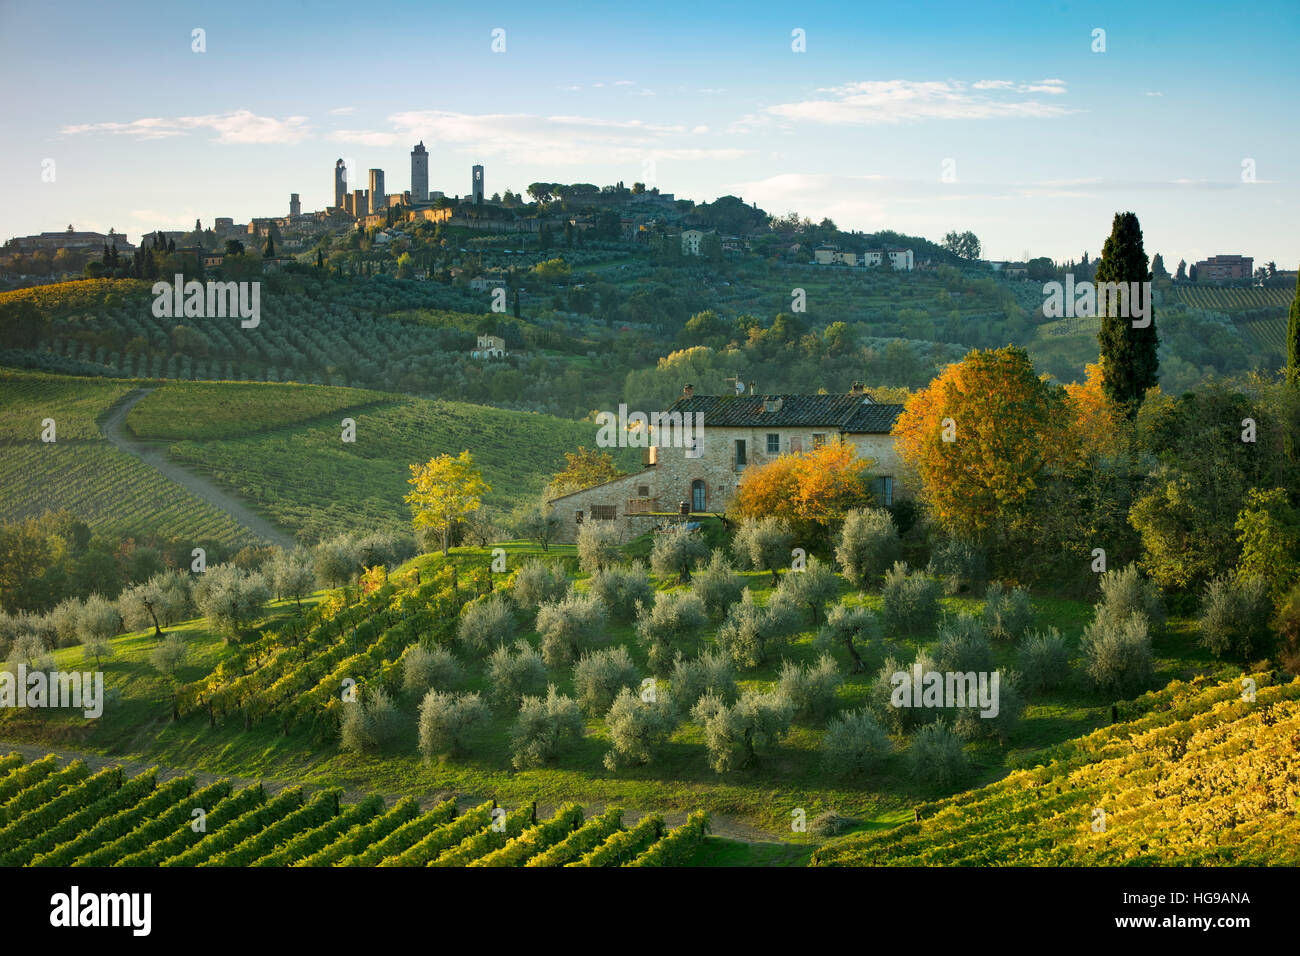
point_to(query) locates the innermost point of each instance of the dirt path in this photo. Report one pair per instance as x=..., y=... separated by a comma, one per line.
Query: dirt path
x=154, y=454
x=727, y=827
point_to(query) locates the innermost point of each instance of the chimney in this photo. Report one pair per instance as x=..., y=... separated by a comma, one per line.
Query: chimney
x=856, y=389
x=688, y=391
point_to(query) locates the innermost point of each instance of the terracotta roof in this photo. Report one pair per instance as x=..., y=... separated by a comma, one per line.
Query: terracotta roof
x=843, y=412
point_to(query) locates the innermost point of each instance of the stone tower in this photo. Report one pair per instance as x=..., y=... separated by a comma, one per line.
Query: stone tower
x=420, y=173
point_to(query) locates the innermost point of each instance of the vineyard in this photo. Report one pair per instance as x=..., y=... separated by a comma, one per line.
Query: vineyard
x=206, y=410
x=304, y=477
x=68, y=816
x=276, y=445
x=297, y=674
x=80, y=472
x=1201, y=774
x=1219, y=299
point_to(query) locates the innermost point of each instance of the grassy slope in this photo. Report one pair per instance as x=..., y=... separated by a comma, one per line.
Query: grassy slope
x=81, y=472
x=303, y=476
x=787, y=777
x=277, y=445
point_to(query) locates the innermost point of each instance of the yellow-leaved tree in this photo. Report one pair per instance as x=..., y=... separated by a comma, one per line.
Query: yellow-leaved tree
x=816, y=487
x=982, y=437
x=446, y=490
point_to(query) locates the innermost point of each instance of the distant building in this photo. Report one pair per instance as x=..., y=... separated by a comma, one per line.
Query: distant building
x=360, y=203
x=490, y=346
x=1225, y=268
x=901, y=260
x=377, y=201
x=484, y=283
x=703, y=469
x=295, y=206
x=476, y=195
x=691, y=239
x=72, y=239
x=420, y=173
x=340, y=183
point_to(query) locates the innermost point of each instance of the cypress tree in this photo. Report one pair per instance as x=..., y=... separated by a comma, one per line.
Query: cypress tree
x=1129, y=364
x=1293, y=339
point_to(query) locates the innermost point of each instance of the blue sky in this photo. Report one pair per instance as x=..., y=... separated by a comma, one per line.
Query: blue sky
x=1046, y=138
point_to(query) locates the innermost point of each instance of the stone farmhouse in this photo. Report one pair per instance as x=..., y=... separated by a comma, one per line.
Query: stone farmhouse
x=737, y=432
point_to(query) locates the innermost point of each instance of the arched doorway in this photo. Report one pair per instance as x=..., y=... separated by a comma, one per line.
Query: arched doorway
x=697, y=495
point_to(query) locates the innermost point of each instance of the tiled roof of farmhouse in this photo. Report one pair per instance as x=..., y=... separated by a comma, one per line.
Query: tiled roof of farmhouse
x=849, y=413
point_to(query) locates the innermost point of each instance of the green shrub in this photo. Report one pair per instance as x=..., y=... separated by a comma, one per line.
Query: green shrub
x=486, y=624
x=1043, y=661
x=546, y=726
x=676, y=551
x=621, y=589
x=448, y=722
x=1117, y=653
x=670, y=626
x=868, y=546
x=810, y=688
x=960, y=566
x=1008, y=615
x=425, y=668
x=847, y=625
x=570, y=626
x=763, y=544
x=637, y=729
x=538, y=583
x=911, y=600
x=599, y=676
x=710, y=673
x=812, y=588
x=1234, y=619
x=515, y=675
x=732, y=734
x=1125, y=592
x=717, y=585
x=598, y=545
x=963, y=646
x=854, y=743
x=937, y=756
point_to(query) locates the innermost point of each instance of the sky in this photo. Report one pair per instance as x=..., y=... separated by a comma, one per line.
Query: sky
x=1018, y=121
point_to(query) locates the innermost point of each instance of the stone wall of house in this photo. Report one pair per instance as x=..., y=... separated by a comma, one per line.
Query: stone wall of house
x=615, y=494
x=671, y=479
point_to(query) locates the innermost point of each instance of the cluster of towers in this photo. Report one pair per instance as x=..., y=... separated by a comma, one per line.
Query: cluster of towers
x=361, y=202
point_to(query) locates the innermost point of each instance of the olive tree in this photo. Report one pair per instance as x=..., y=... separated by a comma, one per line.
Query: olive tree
x=448, y=721
x=546, y=726
x=637, y=729
x=676, y=551
x=599, y=676
x=764, y=544
x=674, y=620
x=570, y=626
x=868, y=545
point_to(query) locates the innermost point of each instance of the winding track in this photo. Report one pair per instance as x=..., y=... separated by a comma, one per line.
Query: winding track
x=154, y=454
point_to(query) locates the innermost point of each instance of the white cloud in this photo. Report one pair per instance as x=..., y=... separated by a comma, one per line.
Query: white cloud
x=559, y=139
x=873, y=102
x=343, y=109
x=363, y=137
x=240, y=126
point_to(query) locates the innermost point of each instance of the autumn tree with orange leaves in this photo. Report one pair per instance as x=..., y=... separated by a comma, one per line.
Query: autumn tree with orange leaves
x=983, y=438
x=809, y=489
x=1101, y=428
